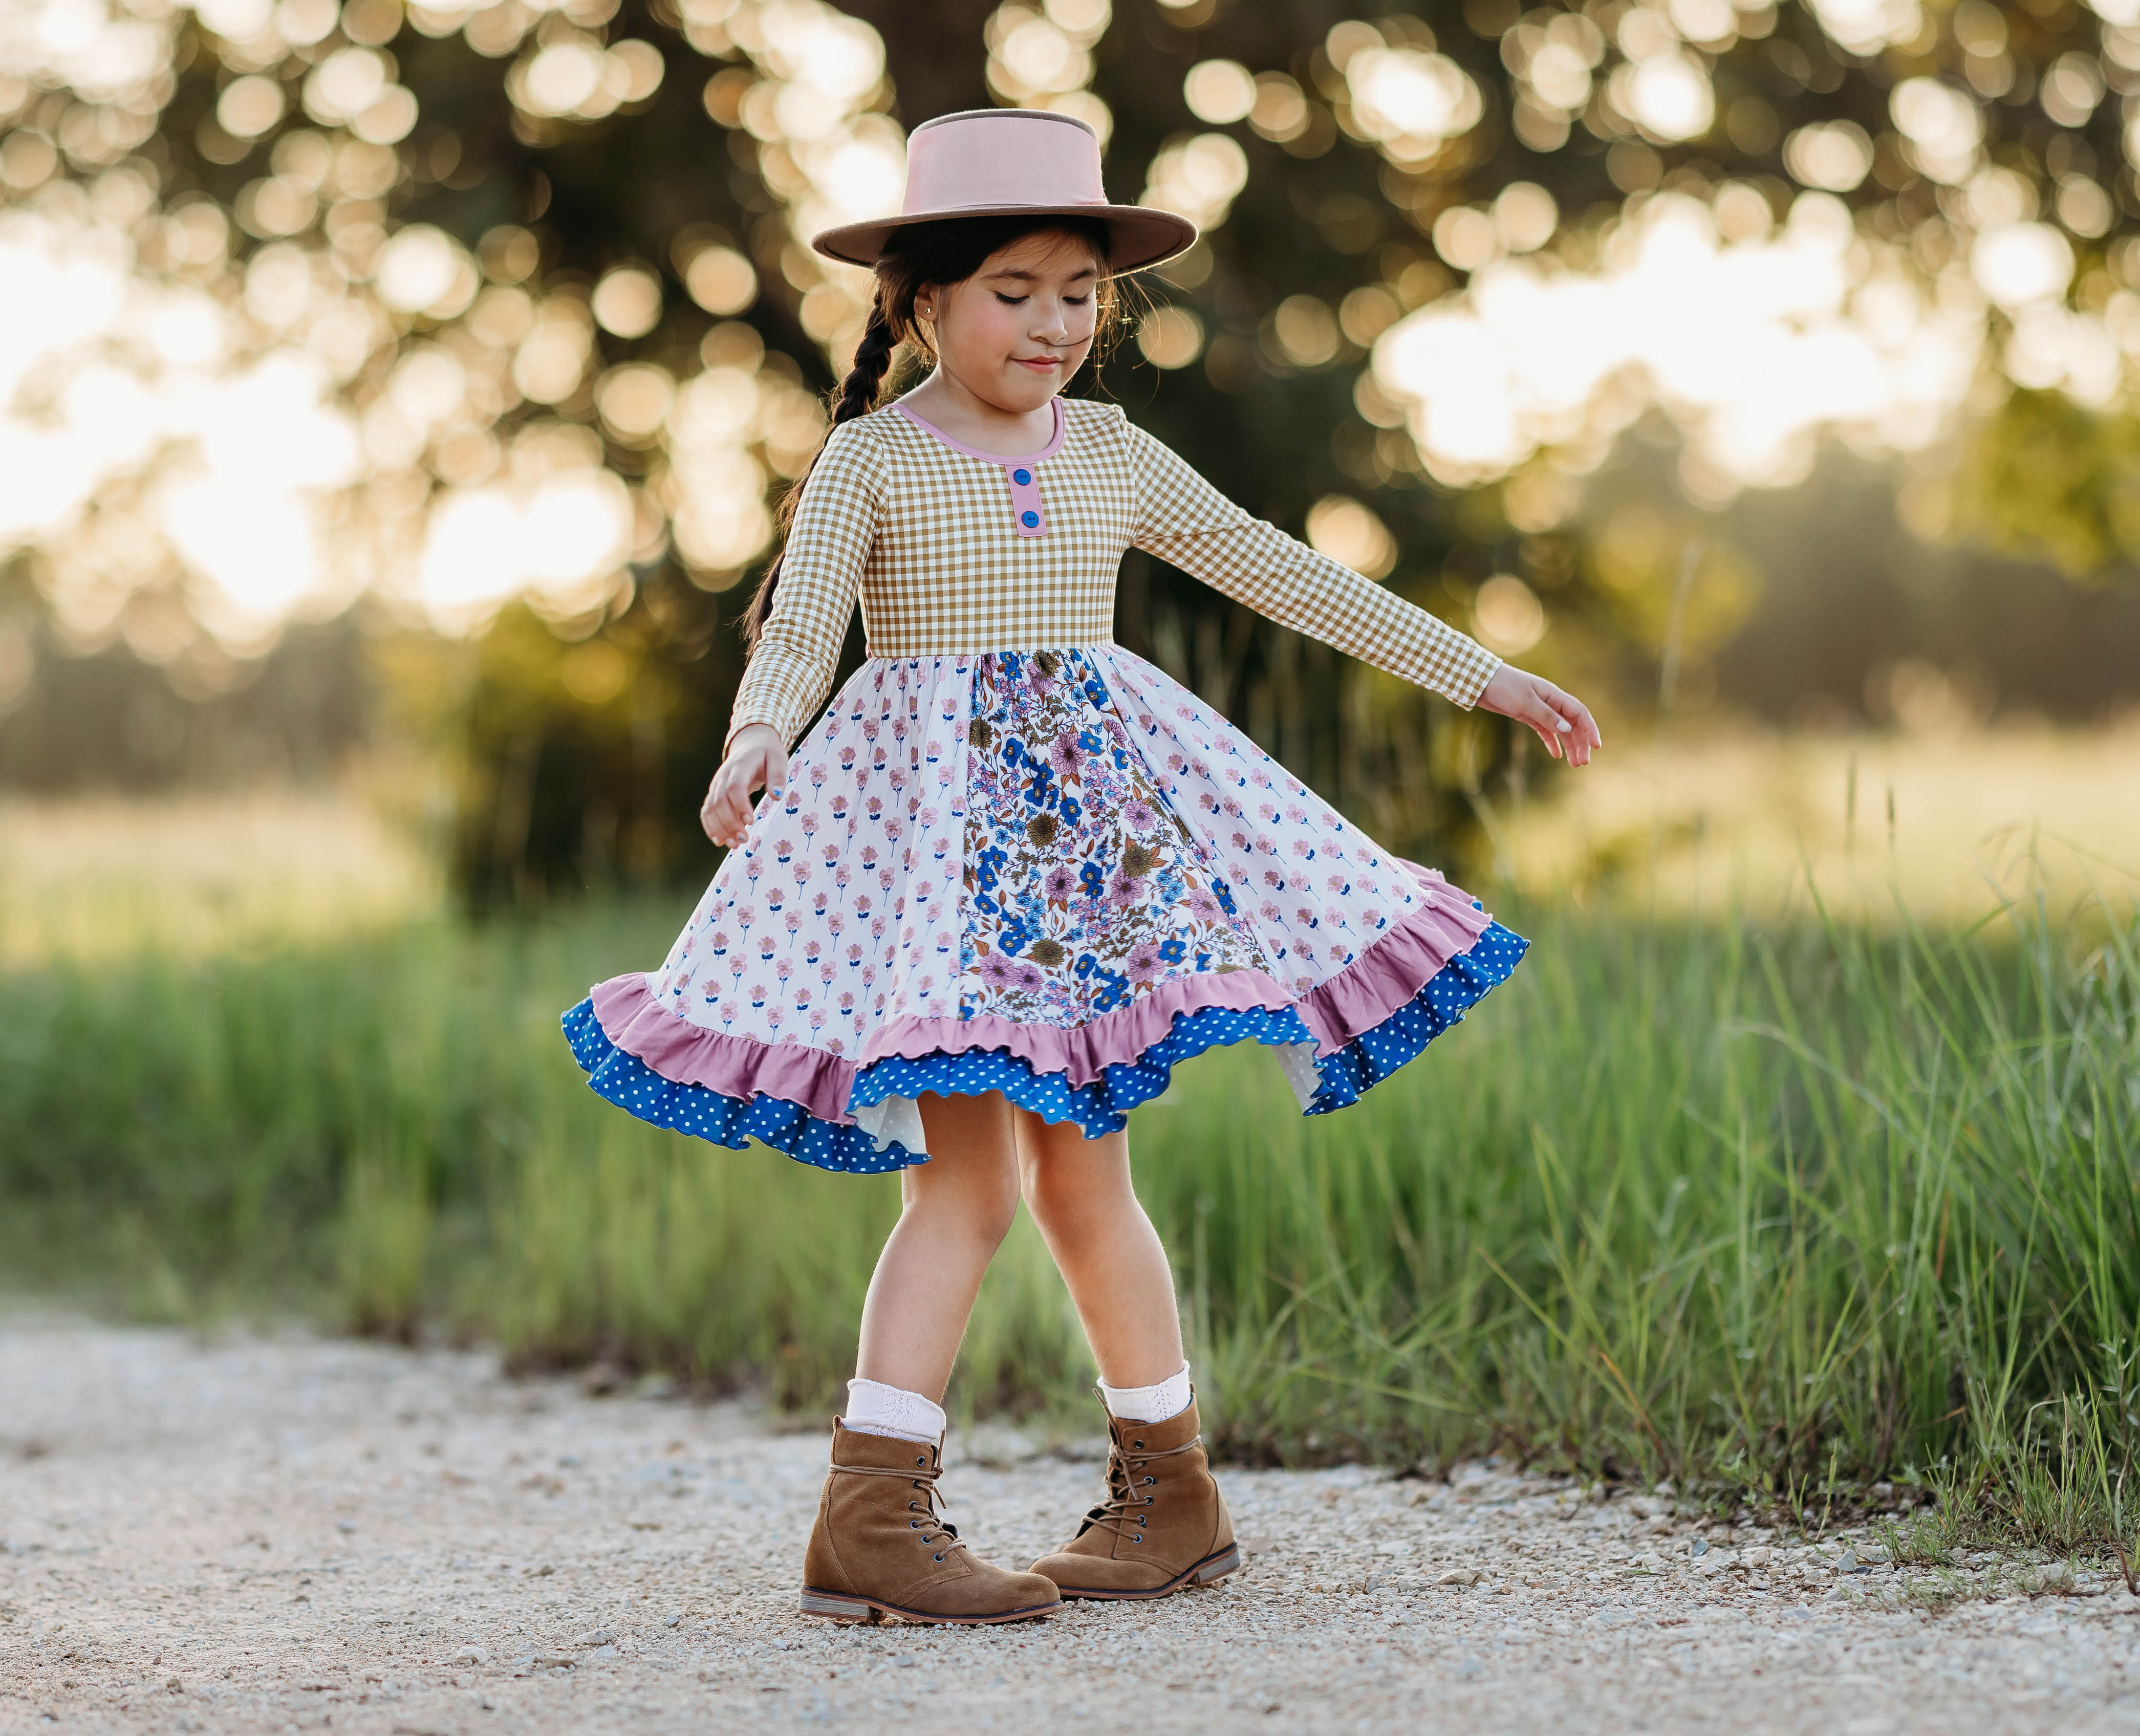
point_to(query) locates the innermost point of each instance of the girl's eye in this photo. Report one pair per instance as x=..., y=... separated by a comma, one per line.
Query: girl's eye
x=1010, y=301
x=1077, y=300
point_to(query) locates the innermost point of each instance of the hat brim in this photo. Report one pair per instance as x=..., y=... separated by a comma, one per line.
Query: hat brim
x=1139, y=237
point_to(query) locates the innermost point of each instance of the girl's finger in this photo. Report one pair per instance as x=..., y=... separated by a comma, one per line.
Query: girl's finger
x=731, y=814
x=1580, y=728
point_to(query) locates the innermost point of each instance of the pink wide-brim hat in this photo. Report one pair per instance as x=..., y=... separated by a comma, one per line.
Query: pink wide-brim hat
x=1011, y=163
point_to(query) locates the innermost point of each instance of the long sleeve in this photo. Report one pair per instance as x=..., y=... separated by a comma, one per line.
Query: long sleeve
x=1184, y=520
x=829, y=541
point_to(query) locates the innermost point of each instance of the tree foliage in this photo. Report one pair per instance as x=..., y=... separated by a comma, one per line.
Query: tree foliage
x=588, y=730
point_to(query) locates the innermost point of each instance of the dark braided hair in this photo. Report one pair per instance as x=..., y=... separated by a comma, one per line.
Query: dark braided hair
x=944, y=252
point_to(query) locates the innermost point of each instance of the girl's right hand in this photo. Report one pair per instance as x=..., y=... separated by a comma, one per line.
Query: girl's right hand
x=755, y=757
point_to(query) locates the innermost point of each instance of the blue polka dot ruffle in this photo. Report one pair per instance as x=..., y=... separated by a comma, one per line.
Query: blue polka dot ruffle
x=1098, y=1107
x=1461, y=984
x=627, y=1082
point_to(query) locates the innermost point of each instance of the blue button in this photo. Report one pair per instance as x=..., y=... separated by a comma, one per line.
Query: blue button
x=1021, y=477
x=1029, y=520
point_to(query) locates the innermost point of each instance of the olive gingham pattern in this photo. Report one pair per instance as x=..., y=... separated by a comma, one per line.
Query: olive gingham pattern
x=924, y=535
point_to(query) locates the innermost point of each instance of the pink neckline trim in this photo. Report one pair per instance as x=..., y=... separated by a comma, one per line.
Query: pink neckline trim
x=1048, y=451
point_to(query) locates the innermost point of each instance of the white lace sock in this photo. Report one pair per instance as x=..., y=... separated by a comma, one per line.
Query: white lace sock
x=1171, y=1397
x=874, y=1407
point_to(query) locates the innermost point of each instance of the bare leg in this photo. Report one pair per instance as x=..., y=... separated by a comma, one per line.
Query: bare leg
x=955, y=1210
x=1078, y=1191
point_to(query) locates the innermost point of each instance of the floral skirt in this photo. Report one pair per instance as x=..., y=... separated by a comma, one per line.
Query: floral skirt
x=1055, y=874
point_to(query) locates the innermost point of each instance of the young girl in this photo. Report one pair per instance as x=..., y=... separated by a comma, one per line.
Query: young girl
x=1015, y=875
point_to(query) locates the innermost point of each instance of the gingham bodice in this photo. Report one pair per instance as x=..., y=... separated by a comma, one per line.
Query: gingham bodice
x=950, y=550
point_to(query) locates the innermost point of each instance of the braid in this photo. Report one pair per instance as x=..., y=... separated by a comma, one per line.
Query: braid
x=857, y=397
x=872, y=362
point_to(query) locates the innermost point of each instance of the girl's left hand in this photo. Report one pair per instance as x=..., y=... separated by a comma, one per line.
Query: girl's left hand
x=1562, y=722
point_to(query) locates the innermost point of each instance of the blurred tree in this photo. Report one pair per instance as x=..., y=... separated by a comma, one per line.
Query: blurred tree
x=2044, y=478
x=550, y=255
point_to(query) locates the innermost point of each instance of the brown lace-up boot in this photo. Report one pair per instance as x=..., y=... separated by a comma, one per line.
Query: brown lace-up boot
x=879, y=1547
x=1164, y=1525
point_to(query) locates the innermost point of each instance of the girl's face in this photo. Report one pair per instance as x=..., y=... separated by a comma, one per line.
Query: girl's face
x=1014, y=332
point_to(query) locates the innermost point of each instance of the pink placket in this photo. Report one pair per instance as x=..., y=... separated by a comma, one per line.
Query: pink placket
x=1025, y=499
x=1029, y=509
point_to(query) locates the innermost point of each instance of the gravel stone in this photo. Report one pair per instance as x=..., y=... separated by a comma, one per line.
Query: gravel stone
x=255, y=1532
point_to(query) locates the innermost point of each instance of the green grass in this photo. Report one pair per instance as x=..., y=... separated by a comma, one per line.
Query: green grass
x=1778, y=1213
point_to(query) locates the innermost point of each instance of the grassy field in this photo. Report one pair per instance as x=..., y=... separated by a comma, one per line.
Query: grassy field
x=1791, y=1207
x=1726, y=821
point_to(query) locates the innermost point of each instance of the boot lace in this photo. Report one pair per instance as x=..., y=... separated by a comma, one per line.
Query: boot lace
x=933, y=1527
x=1125, y=1506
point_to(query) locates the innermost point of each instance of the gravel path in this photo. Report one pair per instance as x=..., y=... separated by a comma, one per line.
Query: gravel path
x=287, y=1534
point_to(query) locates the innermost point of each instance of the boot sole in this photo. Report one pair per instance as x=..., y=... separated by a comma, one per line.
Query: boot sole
x=838, y=1606
x=1212, y=1566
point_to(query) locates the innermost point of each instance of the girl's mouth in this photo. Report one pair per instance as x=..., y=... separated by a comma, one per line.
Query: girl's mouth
x=1038, y=364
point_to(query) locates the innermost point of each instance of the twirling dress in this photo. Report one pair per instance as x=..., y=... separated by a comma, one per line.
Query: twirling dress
x=1012, y=856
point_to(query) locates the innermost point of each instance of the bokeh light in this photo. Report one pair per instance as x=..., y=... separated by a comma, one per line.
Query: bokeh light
x=358, y=402
x=249, y=106
x=424, y=270
x=721, y=281
x=1749, y=346
x=627, y=301
x=2020, y=262
x=1524, y=216
x=1866, y=26
x=1504, y=337
x=1834, y=155
x=1346, y=530
x=1198, y=178
x=1041, y=58
x=1409, y=102
x=1170, y=337
x=1507, y=616
x=1942, y=126
x=1219, y=91
x=634, y=401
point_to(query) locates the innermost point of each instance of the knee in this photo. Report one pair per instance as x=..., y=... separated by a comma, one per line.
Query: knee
x=968, y=1189
x=1067, y=1197
x=979, y=1210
